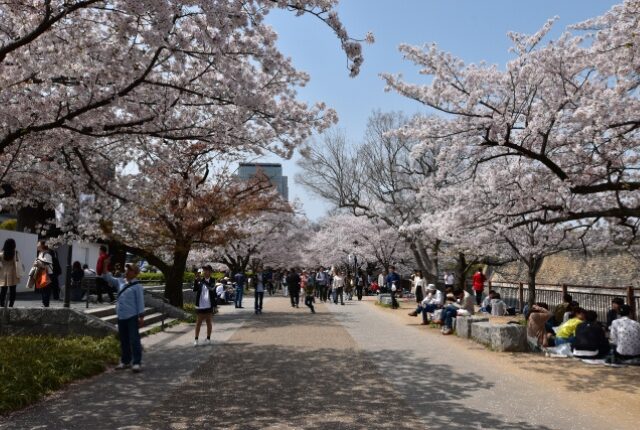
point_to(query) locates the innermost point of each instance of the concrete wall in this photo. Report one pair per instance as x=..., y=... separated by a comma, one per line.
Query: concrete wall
x=611, y=268
x=53, y=322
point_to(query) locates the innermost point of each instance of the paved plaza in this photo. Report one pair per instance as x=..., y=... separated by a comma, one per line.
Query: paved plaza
x=356, y=366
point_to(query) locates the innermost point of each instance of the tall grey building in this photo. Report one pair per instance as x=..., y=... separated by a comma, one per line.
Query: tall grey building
x=272, y=170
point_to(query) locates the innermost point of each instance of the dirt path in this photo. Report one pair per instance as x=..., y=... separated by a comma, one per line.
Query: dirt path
x=591, y=394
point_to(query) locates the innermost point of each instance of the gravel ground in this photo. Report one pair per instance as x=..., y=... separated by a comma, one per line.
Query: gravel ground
x=356, y=366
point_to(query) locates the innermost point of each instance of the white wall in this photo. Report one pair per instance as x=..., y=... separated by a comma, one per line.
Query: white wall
x=85, y=253
x=26, y=245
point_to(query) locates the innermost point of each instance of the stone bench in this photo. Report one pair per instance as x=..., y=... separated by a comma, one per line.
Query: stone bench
x=501, y=337
x=384, y=299
x=464, y=323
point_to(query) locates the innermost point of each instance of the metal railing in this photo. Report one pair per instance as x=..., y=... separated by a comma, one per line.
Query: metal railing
x=592, y=297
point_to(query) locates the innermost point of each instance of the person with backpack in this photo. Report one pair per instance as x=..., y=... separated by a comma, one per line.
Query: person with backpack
x=130, y=311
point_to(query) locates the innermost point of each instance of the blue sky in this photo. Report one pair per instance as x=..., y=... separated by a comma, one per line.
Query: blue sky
x=474, y=30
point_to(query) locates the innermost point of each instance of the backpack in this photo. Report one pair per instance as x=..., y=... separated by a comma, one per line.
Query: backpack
x=55, y=267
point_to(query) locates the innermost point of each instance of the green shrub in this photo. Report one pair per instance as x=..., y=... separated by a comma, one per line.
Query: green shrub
x=159, y=276
x=149, y=276
x=33, y=366
x=9, y=224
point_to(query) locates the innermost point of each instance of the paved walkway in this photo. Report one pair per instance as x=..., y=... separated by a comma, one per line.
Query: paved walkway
x=347, y=367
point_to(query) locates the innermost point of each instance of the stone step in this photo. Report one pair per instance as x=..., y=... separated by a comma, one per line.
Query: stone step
x=144, y=331
x=112, y=318
x=102, y=311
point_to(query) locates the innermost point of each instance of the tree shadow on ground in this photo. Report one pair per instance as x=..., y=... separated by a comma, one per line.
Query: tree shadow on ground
x=244, y=386
x=581, y=377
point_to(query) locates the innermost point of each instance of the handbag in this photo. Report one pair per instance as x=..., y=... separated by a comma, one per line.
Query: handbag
x=42, y=279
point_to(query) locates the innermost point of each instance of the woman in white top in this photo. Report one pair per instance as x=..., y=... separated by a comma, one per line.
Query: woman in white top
x=205, y=302
x=338, y=288
x=418, y=286
x=10, y=272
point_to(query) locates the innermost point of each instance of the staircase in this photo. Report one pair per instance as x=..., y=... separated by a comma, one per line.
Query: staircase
x=152, y=317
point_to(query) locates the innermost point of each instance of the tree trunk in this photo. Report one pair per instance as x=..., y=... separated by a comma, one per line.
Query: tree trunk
x=173, y=276
x=461, y=270
x=533, y=267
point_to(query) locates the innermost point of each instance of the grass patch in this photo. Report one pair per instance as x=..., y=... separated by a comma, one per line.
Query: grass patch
x=33, y=366
x=191, y=309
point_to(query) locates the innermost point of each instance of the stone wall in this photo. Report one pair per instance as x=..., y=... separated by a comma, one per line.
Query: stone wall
x=613, y=268
x=53, y=322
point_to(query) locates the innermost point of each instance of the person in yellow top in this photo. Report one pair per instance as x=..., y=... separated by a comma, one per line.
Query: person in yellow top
x=566, y=333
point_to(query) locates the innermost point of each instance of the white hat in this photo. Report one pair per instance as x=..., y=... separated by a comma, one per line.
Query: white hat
x=431, y=287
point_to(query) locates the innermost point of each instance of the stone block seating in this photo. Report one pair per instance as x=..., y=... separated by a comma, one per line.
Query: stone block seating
x=500, y=337
x=384, y=299
x=463, y=324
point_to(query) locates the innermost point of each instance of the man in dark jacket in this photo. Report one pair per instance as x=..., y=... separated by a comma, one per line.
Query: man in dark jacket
x=293, y=282
x=590, y=341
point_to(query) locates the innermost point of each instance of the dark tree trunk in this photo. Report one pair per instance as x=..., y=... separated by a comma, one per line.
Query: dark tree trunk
x=533, y=267
x=173, y=276
x=461, y=270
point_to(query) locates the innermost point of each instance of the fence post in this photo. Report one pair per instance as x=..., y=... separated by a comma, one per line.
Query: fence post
x=521, y=296
x=631, y=300
x=490, y=286
x=564, y=289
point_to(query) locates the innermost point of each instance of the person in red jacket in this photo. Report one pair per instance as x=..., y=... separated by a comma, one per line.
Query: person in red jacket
x=478, y=285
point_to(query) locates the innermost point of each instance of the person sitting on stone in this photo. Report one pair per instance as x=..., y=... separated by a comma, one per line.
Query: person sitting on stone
x=464, y=302
x=571, y=311
x=536, y=333
x=558, y=312
x=625, y=336
x=498, y=307
x=566, y=333
x=433, y=300
x=612, y=314
x=591, y=341
x=486, y=302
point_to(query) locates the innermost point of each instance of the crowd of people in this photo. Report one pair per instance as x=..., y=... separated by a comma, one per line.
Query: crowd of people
x=617, y=341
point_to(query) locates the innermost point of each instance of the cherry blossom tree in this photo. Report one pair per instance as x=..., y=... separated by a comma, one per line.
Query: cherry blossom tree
x=565, y=110
x=136, y=104
x=378, y=179
x=102, y=68
x=371, y=241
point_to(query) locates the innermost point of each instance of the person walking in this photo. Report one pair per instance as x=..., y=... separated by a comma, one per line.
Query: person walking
x=130, y=312
x=259, y=284
x=239, y=279
x=322, y=282
x=285, y=287
x=338, y=288
x=359, y=285
x=11, y=271
x=392, y=285
x=449, y=280
x=419, y=286
x=309, y=290
x=478, y=285
x=293, y=283
x=205, y=289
